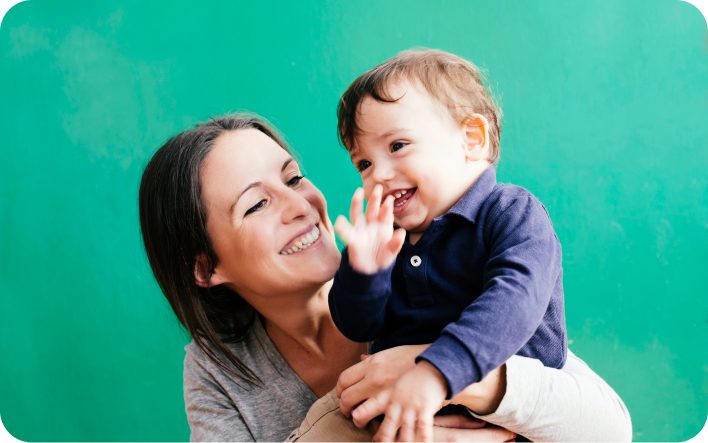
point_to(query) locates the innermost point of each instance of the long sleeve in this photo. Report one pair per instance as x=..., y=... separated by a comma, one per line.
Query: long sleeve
x=520, y=276
x=358, y=301
x=569, y=404
x=212, y=416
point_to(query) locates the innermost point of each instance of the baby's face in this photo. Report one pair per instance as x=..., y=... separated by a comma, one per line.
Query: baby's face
x=416, y=151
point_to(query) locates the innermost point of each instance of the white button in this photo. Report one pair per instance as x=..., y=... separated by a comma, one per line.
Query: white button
x=416, y=261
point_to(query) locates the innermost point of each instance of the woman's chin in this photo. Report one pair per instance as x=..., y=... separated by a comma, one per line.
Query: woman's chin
x=320, y=261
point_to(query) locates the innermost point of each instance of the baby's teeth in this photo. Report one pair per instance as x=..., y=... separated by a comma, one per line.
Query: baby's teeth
x=403, y=192
x=398, y=195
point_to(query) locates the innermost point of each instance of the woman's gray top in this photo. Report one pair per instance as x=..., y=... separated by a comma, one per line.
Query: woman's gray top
x=542, y=404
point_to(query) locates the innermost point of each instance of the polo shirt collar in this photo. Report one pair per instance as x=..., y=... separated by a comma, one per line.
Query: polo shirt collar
x=468, y=206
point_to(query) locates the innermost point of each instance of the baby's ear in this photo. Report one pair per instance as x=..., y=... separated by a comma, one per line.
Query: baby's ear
x=476, y=137
x=204, y=276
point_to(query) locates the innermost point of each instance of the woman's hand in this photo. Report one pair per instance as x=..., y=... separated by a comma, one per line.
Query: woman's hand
x=368, y=383
x=372, y=242
x=462, y=428
x=485, y=396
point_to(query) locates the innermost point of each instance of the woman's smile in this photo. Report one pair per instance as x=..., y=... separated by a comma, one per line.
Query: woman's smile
x=302, y=240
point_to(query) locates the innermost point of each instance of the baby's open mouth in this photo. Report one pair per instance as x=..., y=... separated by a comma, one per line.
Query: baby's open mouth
x=302, y=242
x=401, y=197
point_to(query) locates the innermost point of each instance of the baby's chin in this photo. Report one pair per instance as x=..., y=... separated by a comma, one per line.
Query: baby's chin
x=410, y=224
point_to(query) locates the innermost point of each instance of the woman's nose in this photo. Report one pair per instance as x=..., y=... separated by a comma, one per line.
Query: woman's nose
x=295, y=206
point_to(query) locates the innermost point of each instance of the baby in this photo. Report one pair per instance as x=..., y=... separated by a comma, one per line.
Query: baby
x=475, y=268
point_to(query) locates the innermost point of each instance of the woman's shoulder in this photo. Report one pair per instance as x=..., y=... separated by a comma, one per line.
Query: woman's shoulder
x=269, y=410
x=256, y=352
x=249, y=349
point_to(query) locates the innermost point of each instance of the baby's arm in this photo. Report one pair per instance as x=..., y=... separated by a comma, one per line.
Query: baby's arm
x=362, y=284
x=521, y=272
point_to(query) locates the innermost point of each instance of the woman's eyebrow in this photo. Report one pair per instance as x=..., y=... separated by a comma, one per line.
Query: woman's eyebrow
x=252, y=185
x=256, y=184
x=287, y=162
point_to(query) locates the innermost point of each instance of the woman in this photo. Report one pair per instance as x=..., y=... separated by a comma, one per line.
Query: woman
x=220, y=206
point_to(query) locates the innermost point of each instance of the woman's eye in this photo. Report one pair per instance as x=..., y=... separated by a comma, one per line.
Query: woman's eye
x=295, y=180
x=363, y=165
x=397, y=145
x=255, y=207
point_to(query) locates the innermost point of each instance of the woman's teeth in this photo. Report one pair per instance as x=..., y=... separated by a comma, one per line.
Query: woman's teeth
x=303, y=242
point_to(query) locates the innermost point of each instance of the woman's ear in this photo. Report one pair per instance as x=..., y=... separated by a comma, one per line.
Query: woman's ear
x=476, y=137
x=204, y=276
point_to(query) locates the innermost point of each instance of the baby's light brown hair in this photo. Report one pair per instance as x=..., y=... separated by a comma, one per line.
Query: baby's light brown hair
x=453, y=82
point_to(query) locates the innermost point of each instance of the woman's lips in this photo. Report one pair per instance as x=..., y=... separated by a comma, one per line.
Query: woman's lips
x=302, y=241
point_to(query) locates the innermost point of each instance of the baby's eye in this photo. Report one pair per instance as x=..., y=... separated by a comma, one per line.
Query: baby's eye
x=397, y=145
x=363, y=165
x=295, y=180
x=255, y=207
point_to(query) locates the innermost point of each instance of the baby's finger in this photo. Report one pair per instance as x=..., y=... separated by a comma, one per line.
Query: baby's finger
x=374, y=204
x=348, y=378
x=343, y=228
x=370, y=409
x=355, y=211
x=389, y=426
x=407, y=432
x=394, y=245
x=424, y=428
x=386, y=213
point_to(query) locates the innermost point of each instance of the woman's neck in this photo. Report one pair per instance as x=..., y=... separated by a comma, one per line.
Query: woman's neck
x=306, y=337
x=301, y=319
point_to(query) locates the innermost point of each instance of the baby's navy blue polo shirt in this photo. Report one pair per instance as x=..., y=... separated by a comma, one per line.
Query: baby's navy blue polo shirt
x=484, y=282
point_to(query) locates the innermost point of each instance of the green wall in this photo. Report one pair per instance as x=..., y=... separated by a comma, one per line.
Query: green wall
x=603, y=102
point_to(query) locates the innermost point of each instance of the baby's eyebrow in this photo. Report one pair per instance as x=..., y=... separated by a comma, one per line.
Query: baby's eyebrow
x=354, y=155
x=392, y=132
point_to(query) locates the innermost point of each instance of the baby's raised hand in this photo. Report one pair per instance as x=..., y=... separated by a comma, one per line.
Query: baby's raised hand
x=372, y=243
x=417, y=396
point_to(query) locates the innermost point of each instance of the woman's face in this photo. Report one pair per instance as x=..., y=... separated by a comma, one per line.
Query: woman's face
x=258, y=207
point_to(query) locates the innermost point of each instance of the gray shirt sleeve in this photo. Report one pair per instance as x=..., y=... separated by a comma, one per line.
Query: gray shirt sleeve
x=220, y=408
x=569, y=404
x=211, y=414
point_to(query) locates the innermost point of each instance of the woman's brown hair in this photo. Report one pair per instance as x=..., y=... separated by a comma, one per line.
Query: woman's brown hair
x=173, y=222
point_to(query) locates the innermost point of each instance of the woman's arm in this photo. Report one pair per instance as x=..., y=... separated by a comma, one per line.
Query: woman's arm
x=212, y=416
x=569, y=404
x=523, y=396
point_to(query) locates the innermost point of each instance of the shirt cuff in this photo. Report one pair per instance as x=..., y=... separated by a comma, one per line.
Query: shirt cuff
x=360, y=285
x=454, y=362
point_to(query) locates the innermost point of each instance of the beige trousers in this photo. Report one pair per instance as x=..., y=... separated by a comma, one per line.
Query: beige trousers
x=325, y=422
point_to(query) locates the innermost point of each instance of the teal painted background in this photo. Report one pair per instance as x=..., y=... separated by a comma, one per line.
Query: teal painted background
x=606, y=104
